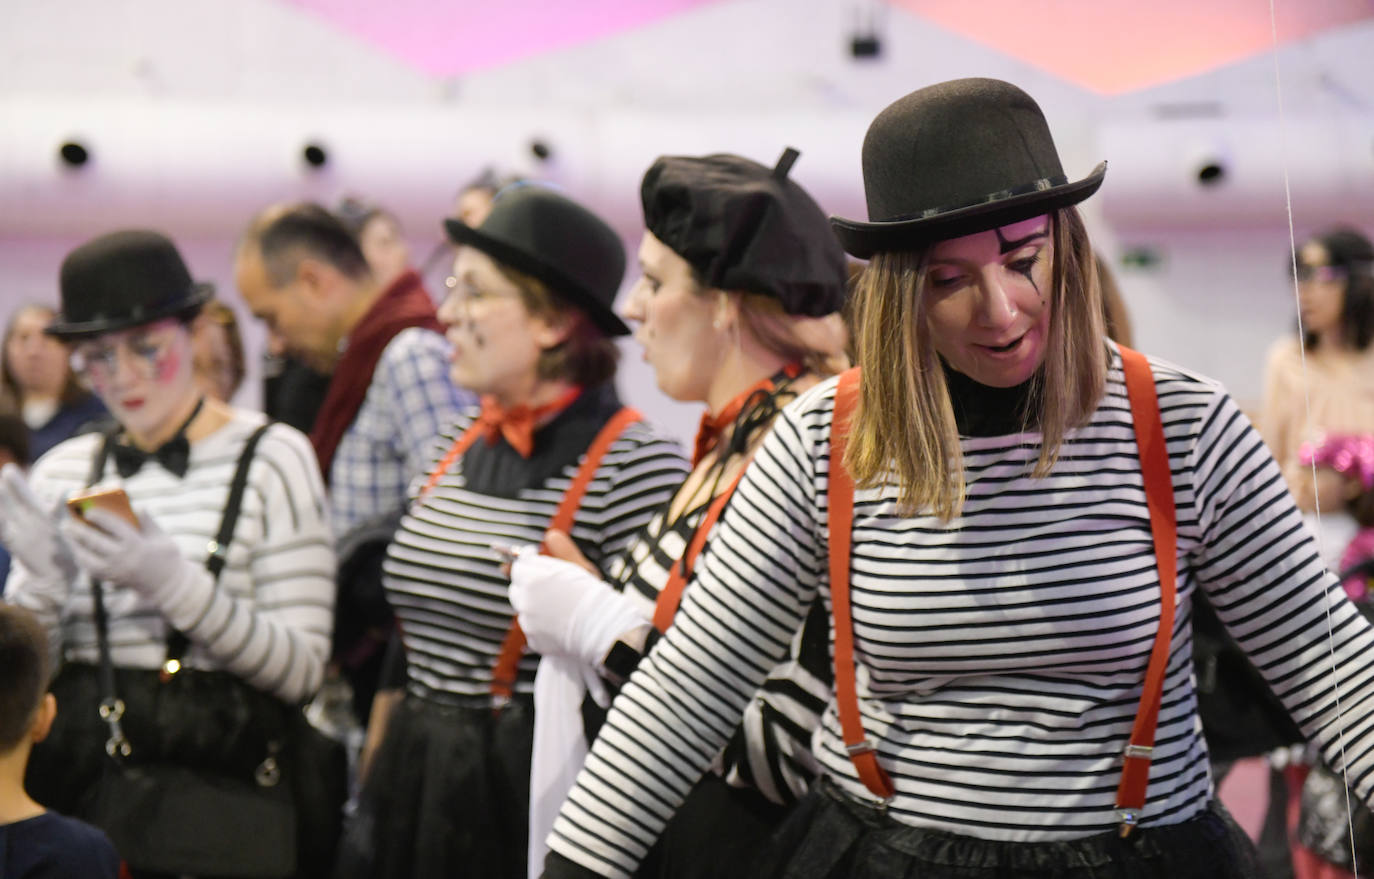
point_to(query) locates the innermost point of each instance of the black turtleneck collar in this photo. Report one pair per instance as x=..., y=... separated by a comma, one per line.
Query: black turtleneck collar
x=980, y=410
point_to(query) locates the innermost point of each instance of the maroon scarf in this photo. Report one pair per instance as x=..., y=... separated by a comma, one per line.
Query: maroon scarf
x=404, y=304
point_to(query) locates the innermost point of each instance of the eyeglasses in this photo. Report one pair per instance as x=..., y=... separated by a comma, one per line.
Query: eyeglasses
x=466, y=295
x=1309, y=272
x=100, y=359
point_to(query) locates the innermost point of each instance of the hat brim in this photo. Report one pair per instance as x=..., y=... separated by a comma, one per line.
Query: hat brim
x=563, y=285
x=865, y=239
x=198, y=295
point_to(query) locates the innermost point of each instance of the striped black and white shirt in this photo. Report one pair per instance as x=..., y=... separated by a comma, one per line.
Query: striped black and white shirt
x=270, y=616
x=770, y=751
x=1000, y=655
x=444, y=580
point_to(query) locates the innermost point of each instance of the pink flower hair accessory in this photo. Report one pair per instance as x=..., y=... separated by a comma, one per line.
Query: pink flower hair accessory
x=1350, y=454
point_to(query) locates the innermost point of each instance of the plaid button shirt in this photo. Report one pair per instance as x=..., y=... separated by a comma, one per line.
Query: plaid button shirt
x=411, y=399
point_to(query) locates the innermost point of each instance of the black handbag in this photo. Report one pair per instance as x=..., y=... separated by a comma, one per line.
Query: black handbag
x=201, y=773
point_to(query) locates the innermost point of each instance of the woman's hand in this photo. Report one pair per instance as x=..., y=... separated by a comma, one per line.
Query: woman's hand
x=29, y=532
x=559, y=545
x=109, y=548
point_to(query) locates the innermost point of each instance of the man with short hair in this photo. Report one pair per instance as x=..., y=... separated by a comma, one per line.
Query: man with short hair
x=301, y=271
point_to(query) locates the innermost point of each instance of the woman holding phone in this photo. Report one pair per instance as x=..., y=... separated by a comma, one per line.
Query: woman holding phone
x=250, y=620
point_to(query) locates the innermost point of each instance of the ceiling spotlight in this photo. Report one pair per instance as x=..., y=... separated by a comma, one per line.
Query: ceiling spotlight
x=315, y=155
x=1211, y=173
x=865, y=42
x=73, y=154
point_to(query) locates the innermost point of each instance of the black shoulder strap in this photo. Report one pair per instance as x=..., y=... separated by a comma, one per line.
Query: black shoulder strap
x=102, y=453
x=111, y=708
x=215, y=562
x=177, y=642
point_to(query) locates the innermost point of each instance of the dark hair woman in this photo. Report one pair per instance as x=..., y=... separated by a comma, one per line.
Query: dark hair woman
x=1322, y=381
x=529, y=316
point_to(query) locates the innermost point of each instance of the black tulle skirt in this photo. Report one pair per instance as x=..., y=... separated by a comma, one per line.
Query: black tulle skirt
x=447, y=795
x=714, y=835
x=829, y=836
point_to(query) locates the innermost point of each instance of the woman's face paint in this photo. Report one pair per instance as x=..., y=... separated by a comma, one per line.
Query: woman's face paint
x=984, y=298
x=496, y=340
x=142, y=375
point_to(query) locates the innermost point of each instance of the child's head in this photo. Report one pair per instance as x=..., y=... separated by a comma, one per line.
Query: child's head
x=1345, y=474
x=23, y=678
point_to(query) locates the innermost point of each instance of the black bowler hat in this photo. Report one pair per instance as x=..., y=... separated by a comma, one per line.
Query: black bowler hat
x=746, y=227
x=535, y=230
x=121, y=280
x=956, y=158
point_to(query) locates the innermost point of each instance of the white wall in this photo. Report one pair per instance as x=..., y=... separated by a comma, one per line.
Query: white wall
x=195, y=111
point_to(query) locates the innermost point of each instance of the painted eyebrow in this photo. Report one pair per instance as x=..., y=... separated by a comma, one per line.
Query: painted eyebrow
x=1009, y=246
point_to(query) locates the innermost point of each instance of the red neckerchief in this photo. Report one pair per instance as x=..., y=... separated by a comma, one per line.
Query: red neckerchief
x=713, y=426
x=517, y=424
x=402, y=305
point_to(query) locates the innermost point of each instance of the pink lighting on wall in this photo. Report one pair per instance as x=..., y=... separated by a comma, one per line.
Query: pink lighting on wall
x=1116, y=46
x=449, y=37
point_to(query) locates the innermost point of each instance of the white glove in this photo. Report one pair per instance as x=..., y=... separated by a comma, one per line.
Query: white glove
x=143, y=559
x=566, y=611
x=30, y=533
x=559, y=750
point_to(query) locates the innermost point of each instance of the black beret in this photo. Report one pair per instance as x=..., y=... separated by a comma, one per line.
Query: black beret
x=745, y=227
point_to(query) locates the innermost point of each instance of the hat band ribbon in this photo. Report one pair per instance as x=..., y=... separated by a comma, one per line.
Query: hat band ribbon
x=1039, y=185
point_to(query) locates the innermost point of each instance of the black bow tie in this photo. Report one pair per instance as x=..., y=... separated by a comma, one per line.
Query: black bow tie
x=173, y=455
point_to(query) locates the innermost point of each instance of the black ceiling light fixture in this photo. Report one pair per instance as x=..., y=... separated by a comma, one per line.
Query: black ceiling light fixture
x=865, y=41
x=315, y=155
x=73, y=153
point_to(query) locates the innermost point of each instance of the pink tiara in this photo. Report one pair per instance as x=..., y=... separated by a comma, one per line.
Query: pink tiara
x=1351, y=454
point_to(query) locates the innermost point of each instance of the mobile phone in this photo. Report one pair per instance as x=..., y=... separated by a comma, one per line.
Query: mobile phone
x=112, y=499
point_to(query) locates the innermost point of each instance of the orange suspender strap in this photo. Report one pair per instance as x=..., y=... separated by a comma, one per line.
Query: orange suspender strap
x=841, y=504
x=455, y=451
x=665, y=607
x=1159, y=494
x=507, y=667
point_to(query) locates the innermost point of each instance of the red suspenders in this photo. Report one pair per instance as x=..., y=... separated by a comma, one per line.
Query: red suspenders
x=507, y=665
x=1159, y=493
x=665, y=607
x=841, y=500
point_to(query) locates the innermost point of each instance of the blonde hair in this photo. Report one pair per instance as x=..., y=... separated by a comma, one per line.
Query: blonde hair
x=904, y=429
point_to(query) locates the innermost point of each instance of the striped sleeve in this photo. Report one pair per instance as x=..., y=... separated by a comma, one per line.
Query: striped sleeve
x=1266, y=579
x=755, y=581
x=277, y=637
